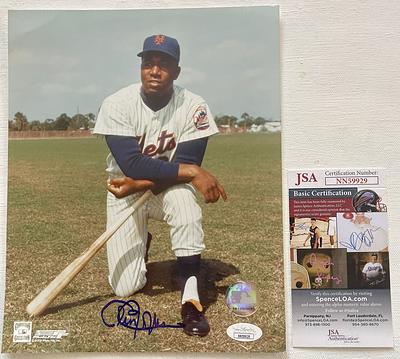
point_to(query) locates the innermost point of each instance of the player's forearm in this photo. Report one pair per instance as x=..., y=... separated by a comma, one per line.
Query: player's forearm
x=125, y=186
x=202, y=180
x=186, y=173
x=134, y=164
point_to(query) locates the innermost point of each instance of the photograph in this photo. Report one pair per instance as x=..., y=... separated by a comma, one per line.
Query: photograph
x=313, y=232
x=368, y=270
x=363, y=231
x=326, y=268
x=144, y=181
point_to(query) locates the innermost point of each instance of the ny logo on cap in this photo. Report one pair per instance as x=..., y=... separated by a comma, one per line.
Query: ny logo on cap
x=159, y=39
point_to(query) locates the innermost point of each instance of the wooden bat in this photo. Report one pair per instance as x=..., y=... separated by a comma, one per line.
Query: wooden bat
x=38, y=305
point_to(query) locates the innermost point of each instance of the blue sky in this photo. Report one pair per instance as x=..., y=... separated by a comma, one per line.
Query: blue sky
x=59, y=60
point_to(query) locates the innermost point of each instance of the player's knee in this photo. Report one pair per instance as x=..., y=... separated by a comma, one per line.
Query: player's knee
x=122, y=292
x=128, y=288
x=181, y=207
x=191, y=231
x=126, y=281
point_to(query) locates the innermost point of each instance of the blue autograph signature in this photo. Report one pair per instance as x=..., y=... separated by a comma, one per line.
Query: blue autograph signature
x=128, y=315
x=357, y=240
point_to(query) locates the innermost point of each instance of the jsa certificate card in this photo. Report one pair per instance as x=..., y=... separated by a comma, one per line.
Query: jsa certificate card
x=339, y=258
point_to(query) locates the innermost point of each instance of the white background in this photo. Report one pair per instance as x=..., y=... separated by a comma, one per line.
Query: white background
x=340, y=108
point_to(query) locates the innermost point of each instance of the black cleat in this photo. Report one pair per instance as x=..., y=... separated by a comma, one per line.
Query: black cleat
x=194, y=321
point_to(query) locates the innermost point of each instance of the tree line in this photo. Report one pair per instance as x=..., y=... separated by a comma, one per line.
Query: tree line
x=61, y=123
x=84, y=122
x=245, y=120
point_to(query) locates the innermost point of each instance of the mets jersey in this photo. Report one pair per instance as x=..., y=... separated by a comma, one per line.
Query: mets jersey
x=186, y=117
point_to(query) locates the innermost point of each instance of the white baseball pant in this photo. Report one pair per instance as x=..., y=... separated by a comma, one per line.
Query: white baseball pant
x=126, y=249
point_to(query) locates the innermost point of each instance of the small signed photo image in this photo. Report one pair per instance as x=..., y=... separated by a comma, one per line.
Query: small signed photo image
x=326, y=268
x=313, y=232
x=144, y=179
x=368, y=270
x=363, y=231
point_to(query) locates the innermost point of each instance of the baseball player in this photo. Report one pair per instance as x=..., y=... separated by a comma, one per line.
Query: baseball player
x=157, y=135
x=314, y=235
x=373, y=271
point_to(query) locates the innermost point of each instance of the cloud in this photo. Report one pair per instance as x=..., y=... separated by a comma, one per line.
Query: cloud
x=54, y=89
x=253, y=73
x=230, y=45
x=191, y=75
x=20, y=23
x=21, y=56
x=88, y=89
x=26, y=56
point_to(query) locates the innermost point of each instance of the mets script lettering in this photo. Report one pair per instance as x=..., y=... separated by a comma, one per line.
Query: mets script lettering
x=165, y=142
x=128, y=315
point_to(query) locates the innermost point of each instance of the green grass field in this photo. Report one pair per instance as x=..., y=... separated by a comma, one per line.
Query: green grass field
x=56, y=209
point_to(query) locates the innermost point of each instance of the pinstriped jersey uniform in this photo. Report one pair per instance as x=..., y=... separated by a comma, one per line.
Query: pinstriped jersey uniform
x=186, y=117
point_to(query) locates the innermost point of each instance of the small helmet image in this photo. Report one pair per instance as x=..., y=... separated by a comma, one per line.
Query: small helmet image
x=367, y=200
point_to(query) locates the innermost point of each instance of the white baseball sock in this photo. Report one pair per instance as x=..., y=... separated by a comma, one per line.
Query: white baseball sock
x=190, y=291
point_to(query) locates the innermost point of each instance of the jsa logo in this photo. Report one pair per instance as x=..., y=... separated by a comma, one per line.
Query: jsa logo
x=333, y=332
x=305, y=177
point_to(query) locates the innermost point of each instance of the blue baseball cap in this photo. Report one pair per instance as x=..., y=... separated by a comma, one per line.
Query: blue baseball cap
x=161, y=43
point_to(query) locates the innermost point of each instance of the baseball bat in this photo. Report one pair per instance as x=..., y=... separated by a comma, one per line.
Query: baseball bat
x=39, y=304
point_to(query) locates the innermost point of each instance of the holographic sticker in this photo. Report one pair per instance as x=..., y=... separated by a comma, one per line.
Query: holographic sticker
x=244, y=332
x=241, y=299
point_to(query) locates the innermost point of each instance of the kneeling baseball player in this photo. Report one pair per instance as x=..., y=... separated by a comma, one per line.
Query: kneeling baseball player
x=157, y=135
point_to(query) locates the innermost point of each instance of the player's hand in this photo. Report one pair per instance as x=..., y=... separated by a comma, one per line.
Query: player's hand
x=209, y=186
x=125, y=186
